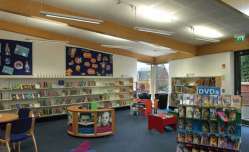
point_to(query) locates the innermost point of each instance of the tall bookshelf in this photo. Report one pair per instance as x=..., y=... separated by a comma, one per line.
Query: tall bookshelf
x=51, y=96
x=209, y=123
x=188, y=85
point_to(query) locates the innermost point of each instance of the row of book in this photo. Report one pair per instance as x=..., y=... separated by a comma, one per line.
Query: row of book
x=223, y=142
x=204, y=113
x=205, y=127
x=210, y=100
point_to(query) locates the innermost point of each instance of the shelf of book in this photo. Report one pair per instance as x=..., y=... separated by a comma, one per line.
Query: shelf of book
x=53, y=95
x=209, y=122
x=188, y=85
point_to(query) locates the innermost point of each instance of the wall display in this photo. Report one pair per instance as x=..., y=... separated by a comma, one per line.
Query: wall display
x=84, y=62
x=208, y=126
x=15, y=57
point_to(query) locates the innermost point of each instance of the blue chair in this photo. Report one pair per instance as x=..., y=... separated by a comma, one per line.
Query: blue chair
x=4, y=136
x=23, y=113
x=21, y=130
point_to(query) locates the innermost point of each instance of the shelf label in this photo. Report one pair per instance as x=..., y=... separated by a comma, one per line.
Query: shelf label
x=206, y=90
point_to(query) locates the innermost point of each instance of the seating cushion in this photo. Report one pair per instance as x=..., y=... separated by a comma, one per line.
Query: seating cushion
x=18, y=137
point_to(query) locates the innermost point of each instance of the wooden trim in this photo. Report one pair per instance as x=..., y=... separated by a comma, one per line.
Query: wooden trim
x=229, y=45
x=36, y=32
x=33, y=8
x=170, y=57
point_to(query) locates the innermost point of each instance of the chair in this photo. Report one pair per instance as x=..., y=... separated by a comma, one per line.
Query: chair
x=21, y=130
x=4, y=137
x=23, y=113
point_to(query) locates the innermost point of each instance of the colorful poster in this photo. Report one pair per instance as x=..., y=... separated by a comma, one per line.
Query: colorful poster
x=84, y=62
x=15, y=57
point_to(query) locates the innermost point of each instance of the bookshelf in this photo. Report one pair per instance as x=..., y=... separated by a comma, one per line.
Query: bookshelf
x=188, y=85
x=209, y=123
x=84, y=122
x=51, y=96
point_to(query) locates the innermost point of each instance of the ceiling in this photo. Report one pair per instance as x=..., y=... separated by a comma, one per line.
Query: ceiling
x=240, y=5
x=120, y=17
x=134, y=46
x=210, y=13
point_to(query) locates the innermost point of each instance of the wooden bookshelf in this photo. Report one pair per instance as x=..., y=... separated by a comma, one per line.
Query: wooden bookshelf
x=90, y=123
x=51, y=96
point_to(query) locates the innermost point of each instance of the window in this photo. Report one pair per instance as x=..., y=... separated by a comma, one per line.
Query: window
x=162, y=78
x=143, y=77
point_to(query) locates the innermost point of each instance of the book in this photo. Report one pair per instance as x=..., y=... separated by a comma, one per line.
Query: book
x=205, y=114
x=189, y=138
x=212, y=114
x=226, y=100
x=205, y=101
x=236, y=101
x=188, y=126
x=198, y=100
x=205, y=127
x=232, y=115
x=181, y=112
x=196, y=139
x=213, y=141
x=197, y=113
x=205, y=139
x=189, y=112
x=181, y=124
x=213, y=127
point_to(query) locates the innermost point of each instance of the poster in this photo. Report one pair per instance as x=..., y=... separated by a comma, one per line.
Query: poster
x=15, y=57
x=104, y=122
x=84, y=62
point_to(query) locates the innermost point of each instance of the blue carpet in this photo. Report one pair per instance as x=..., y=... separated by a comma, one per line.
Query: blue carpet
x=132, y=135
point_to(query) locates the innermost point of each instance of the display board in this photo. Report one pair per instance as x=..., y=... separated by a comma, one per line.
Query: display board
x=209, y=123
x=15, y=57
x=85, y=62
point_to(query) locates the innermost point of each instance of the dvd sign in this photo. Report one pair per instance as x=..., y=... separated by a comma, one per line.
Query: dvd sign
x=204, y=90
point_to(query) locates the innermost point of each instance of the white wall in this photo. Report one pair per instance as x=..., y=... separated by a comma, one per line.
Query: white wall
x=49, y=58
x=208, y=65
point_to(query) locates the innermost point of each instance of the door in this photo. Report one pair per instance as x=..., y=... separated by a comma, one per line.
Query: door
x=242, y=80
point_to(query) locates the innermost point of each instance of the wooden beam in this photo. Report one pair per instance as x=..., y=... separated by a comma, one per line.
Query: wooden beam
x=36, y=32
x=229, y=45
x=33, y=8
x=170, y=57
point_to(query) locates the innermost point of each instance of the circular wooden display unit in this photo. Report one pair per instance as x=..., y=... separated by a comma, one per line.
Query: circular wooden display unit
x=8, y=117
x=90, y=123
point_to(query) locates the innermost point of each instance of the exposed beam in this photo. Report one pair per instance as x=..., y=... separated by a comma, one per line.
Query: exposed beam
x=36, y=32
x=229, y=45
x=170, y=57
x=32, y=8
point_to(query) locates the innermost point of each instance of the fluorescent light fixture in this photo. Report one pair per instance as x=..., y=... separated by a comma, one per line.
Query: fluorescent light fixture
x=156, y=31
x=112, y=37
x=207, y=39
x=155, y=47
x=70, y=17
x=206, y=32
x=156, y=14
x=45, y=40
x=50, y=22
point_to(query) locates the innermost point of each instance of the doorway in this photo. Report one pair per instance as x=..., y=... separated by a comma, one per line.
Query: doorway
x=241, y=62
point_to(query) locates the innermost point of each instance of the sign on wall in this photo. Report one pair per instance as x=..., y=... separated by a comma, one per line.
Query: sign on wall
x=85, y=62
x=15, y=57
x=205, y=90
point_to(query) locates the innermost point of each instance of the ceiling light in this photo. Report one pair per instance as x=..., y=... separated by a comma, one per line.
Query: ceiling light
x=156, y=14
x=116, y=46
x=156, y=31
x=155, y=47
x=204, y=31
x=70, y=17
x=112, y=37
x=207, y=39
